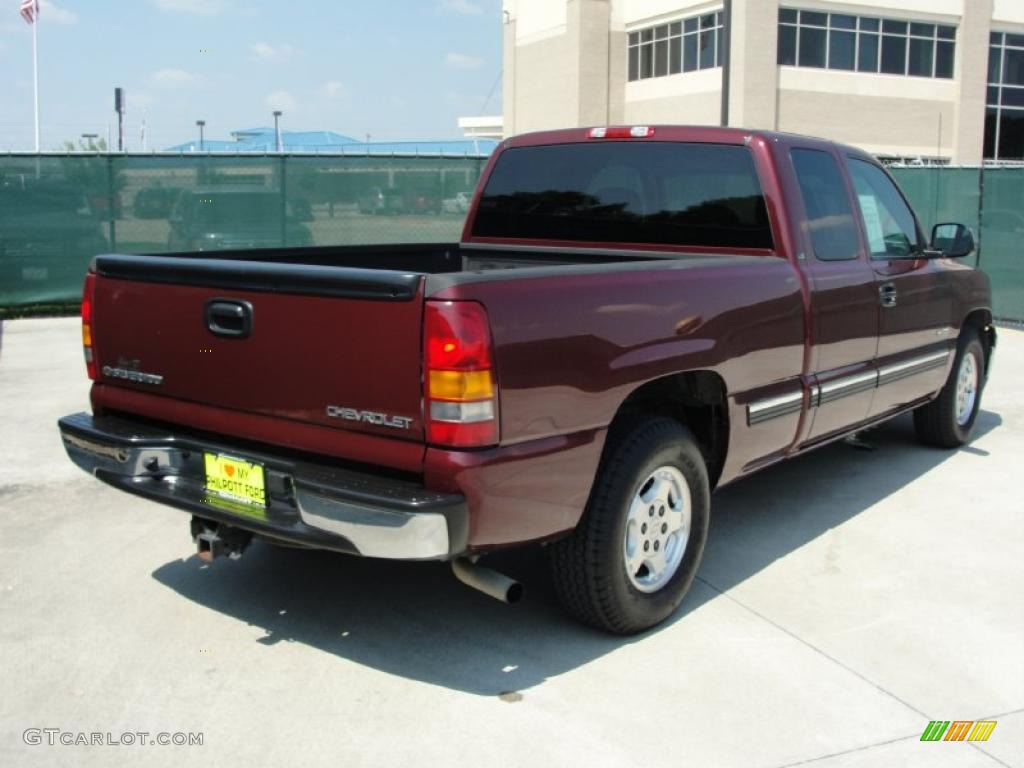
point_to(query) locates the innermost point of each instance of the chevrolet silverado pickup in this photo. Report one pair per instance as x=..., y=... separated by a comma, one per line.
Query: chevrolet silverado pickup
x=633, y=317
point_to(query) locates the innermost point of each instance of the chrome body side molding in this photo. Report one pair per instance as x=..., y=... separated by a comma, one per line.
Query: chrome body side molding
x=760, y=411
x=773, y=407
x=846, y=386
x=891, y=373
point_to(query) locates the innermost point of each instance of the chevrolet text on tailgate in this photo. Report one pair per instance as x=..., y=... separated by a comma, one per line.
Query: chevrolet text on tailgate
x=633, y=317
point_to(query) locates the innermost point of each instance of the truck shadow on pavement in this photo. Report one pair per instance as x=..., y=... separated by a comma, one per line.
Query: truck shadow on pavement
x=416, y=621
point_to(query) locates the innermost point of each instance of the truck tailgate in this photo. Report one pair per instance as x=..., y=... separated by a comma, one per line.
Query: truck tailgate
x=329, y=346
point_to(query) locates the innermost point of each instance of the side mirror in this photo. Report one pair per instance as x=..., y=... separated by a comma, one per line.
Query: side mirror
x=954, y=240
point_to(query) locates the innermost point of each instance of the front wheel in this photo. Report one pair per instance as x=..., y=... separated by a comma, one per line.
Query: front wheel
x=948, y=420
x=635, y=553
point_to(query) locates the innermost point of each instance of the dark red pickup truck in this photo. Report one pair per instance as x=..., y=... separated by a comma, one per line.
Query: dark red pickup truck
x=633, y=317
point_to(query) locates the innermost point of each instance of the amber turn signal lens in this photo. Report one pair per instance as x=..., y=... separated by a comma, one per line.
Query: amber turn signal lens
x=461, y=385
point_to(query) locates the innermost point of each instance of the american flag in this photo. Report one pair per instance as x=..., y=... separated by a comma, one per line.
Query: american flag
x=30, y=10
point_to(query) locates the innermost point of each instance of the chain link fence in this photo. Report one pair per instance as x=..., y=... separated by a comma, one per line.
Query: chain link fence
x=57, y=211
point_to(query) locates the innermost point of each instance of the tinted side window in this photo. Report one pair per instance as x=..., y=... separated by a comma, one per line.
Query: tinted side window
x=888, y=220
x=830, y=218
x=627, y=192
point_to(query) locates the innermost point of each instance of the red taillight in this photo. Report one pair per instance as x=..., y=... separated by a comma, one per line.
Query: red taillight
x=461, y=399
x=622, y=132
x=88, y=300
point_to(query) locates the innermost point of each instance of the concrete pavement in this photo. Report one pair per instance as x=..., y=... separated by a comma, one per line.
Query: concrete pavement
x=846, y=599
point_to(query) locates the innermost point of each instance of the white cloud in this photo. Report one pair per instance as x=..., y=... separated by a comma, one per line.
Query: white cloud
x=461, y=7
x=462, y=61
x=198, y=7
x=263, y=50
x=334, y=90
x=55, y=14
x=282, y=100
x=173, y=78
x=269, y=52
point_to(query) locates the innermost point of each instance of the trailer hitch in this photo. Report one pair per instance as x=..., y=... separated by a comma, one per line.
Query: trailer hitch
x=215, y=539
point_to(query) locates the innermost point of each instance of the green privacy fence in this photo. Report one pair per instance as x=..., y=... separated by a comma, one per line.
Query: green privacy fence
x=57, y=211
x=991, y=202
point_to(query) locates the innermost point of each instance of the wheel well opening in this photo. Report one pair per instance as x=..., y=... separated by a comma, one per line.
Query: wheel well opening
x=981, y=321
x=696, y=399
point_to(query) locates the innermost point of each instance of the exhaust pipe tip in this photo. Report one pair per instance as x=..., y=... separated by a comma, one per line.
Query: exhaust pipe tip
x=515, y=593
x=490, y=582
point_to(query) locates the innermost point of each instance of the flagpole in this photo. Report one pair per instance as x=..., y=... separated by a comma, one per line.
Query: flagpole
x=35, y=70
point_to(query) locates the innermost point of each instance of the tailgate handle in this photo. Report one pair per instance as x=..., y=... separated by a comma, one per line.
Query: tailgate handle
x=227, y=317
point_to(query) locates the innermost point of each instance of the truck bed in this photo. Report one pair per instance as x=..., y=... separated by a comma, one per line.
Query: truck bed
x=329, y=359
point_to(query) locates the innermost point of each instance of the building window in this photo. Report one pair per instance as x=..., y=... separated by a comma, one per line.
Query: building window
x=865, y=44
x=1004, y=113
x=680, y=46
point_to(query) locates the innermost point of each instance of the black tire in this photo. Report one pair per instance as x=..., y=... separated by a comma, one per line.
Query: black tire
x=936, y=422
x=588, y=567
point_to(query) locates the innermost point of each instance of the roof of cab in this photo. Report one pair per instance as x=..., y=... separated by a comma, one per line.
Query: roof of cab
x=689, y=133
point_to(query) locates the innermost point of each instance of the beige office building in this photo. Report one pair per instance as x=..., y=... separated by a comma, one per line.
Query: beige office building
x=939, y=80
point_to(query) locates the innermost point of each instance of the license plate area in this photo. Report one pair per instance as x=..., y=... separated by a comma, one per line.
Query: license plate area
x=235, y=480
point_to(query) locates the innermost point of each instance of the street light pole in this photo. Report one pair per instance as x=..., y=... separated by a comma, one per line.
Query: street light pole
x=201, y=124
x=277, y=131
x=120, y=106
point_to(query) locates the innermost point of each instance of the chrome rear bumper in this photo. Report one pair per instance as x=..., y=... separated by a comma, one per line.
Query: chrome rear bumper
x=308, y=503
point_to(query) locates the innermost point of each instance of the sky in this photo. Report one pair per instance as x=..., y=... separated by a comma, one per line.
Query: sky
x=394, y=69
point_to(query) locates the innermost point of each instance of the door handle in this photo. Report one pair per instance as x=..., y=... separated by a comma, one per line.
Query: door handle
x=887, y=294
x=228, y=317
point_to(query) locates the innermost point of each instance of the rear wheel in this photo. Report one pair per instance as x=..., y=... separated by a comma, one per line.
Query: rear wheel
x=948, y=420
x=634, y=555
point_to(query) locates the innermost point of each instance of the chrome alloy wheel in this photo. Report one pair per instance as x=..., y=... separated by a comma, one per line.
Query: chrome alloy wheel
x=657, y=529
x=966, y=388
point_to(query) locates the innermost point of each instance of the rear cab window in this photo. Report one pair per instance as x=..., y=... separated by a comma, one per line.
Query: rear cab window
x=666, y=193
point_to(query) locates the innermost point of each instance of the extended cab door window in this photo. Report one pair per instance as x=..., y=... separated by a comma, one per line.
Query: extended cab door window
x=829, y=214
x=888, y=221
